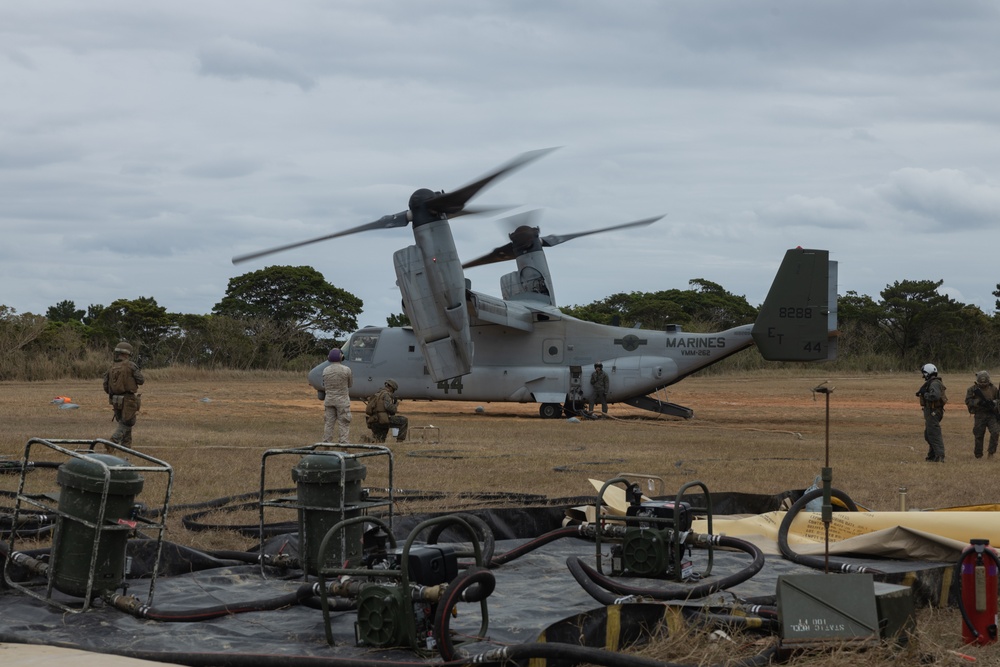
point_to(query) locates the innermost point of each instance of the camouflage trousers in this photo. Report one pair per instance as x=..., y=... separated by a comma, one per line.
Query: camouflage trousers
x=986, y=421
x=381, y=431
x=123, y=434
x=337, y=419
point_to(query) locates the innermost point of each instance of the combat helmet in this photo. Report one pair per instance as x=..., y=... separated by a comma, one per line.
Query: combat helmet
x=123, y=348
x=392, y=384
x=983, y=378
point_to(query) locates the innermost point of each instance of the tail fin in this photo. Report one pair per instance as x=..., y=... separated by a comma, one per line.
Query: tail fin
x=798, y=321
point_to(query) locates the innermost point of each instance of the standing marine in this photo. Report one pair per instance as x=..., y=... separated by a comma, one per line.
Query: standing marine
x=601, y=383
x=982, y=400
x=933, y=398
x=337, y=381
x=121, y=383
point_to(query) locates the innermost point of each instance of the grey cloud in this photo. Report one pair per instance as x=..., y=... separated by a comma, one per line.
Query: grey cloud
x=948, y=199
x=235, y=59
x=18, y=57
x=223, y=168
x=800, y=211
x=29, y=155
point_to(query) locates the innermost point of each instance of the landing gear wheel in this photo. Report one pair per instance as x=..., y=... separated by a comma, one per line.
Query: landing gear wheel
x=550, y=410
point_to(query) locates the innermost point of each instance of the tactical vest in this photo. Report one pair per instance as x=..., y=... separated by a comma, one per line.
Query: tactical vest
x=121, y=379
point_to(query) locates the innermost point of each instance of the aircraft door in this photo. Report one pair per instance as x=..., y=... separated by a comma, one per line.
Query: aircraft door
x=552, y=350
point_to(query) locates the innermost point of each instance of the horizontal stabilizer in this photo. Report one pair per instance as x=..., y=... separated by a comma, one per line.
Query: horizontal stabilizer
x=799, y=315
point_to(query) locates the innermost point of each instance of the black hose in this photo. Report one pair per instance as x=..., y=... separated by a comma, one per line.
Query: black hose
x=232, y=659
x=304, y=592
x=249, y=557
x=816, y=562
x=333, y=604
x=570, y=654
x=485, y=533
x=581, y=572
x=473, y=585
x=531, y=545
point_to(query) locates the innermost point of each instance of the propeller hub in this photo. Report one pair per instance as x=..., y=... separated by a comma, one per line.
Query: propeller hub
x=525, y=239
x=422, y=213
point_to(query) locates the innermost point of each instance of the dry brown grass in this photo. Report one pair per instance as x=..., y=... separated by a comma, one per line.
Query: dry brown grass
x=760, y=433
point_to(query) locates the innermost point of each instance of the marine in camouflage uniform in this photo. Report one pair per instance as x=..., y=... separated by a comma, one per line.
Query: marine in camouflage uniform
x=601, y=383
x=337, y=380
x=381, y=414
x=981, y=399
x=933, y=399
x=121, y=382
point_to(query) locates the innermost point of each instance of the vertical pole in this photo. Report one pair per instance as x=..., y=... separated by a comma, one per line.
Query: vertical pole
x=827, y=475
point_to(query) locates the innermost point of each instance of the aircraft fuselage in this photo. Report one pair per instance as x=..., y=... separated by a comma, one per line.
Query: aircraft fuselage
x=540, y=365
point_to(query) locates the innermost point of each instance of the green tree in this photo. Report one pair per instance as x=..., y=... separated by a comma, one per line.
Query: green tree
x=142, y=322
x=707, y=307
x=64, y=311
x=297, y=296
x=16, y=333
x=398, y=320
x=919, y=321
x=861, y=337
x=94, y=311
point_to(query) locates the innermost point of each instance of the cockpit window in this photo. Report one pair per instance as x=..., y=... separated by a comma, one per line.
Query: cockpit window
x=362, y=347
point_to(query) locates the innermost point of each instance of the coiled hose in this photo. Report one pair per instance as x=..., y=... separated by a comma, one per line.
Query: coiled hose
x=815, y=561
x=473, y=585
x=598, y=585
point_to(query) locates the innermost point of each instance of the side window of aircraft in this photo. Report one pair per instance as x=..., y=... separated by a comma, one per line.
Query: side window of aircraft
x=362, y=347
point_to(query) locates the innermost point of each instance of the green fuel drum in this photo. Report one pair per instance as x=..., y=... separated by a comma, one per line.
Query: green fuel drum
x=78, y=534
x=329, y=491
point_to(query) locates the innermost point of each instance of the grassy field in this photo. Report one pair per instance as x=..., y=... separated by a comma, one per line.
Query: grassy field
x=761, y=433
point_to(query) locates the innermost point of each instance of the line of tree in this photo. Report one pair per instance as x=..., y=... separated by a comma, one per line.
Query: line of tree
x=909, y=325
x=285, y=317
x=280, y=317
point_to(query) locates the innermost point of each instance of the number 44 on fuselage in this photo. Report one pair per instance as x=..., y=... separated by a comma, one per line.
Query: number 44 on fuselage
x=529, y=351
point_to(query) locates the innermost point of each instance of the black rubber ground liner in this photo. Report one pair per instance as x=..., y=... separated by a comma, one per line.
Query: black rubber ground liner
x=532, y=593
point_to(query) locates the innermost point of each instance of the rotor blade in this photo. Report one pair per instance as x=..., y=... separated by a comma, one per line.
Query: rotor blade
x=523, y=219
x=506, y=252
x=480, y=210
x=556, y=239
x=501, y=254
x=400, y=219
x=453, y=202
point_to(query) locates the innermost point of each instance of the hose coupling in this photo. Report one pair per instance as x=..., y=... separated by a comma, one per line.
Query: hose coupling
x=34, y=565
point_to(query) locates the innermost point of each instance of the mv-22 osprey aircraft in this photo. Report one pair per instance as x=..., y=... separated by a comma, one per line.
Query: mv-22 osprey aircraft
x=467, y=346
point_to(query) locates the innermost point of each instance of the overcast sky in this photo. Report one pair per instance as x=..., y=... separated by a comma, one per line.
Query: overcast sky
x=145, y=144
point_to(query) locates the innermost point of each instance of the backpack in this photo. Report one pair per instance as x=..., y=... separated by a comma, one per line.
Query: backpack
x=120, y=379
x=371, y=407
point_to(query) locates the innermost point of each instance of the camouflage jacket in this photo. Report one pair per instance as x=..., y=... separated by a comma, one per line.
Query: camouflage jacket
x=600, y=381
x=977, y=404
x=124, y=377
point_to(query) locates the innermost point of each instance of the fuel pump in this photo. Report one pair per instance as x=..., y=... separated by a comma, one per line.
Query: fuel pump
x=406, y=597
x=654, y=539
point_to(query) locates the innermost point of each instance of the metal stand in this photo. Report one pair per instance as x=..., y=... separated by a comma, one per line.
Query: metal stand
x=48, y=502
x=827, y=475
